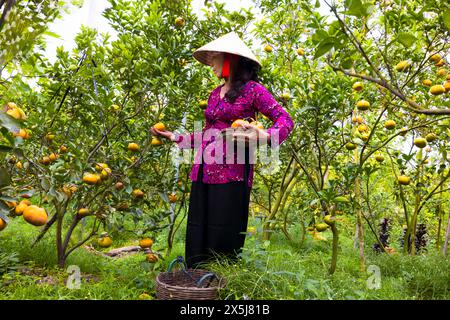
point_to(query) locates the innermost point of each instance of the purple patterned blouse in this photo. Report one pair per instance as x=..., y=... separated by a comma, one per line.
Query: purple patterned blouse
x=220, y=114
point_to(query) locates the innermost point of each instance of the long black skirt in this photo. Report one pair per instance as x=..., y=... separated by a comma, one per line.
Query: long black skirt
x=217, y=220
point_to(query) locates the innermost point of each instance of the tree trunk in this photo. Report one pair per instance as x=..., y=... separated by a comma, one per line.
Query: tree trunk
x=359, y=218
x=335, y=249
x=447, y=233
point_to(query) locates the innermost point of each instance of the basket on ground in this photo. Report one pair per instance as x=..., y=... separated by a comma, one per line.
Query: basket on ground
x=188, y=284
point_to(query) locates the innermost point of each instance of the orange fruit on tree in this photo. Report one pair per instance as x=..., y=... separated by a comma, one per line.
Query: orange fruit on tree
x=145, y=243
x=2, y=224
x=53, y=156
x=22, y=133
x=404, y=180
x=437, y=89
x=301, y=51
x=160, y=126
x=427, y=82
x=50, y=136
x=104, y=240
x=389, y=124
x=63, y=149
x=137, y=193
x=435, y=57
x=151, y=257
x=83, y=212
x=18, y=210
x=35, y=215
x=156, y=141
x=105, y=173
x=91, y=178
x=11, y=204
x=100, y=166
x=179, y=21
x=363, y=105
x=268, y=49
x=46, y=160
x=19, y=165
x=447, y=86
x=442, y=72
x=403, y=66
x=133, y=146
x=363, y=128
x=440, y=63
x=203, y=104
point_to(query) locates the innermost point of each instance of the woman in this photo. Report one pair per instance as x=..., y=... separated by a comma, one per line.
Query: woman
x=220, y=190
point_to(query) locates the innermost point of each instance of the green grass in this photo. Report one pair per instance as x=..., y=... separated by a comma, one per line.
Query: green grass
x=267, y=270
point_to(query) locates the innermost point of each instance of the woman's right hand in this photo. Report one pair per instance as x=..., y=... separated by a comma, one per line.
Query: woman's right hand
x=166, y=134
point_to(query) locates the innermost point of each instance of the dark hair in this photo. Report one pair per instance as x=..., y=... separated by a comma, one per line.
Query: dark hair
x=242, y=71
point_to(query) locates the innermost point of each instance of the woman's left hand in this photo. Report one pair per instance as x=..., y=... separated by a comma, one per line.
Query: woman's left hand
x=251, y=133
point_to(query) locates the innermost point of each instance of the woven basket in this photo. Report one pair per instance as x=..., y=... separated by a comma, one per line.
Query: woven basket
x=188, y=284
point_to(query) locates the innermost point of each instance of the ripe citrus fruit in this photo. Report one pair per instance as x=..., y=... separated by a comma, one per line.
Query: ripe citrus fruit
x=179, y=21
x=389, y=124
x=133, y=146
x=145, y=243
x=151, y=257
x=404, y=180
x=160, y=126
x=156, y=141
x=137, y=193
x=35, y=215
x=2, y=224
x=104, y=241
x=363, y=105
x=437, y=89
x=91, y=178
x=268, y=49
x=83, y=212
x=402, y=66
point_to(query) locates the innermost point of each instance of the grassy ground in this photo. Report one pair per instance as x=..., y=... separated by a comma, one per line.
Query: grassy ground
x=268, y=270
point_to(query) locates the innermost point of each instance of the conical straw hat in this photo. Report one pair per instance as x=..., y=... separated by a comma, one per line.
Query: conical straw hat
x=230, y=43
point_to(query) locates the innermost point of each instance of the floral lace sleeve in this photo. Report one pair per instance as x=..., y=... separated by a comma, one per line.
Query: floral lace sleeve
x=264, y=102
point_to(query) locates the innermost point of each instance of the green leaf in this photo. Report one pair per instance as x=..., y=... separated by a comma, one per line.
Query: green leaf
x=5, y=179
x=341, y=199
x=357, y=8
x=52, y=34
x=323, y=48
x=446, y=18
x=406, y=39
x=9, y=122
x=347, y=63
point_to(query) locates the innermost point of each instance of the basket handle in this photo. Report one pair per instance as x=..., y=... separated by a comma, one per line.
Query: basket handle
x=183, y=266
x=180, y=261
x=211, y=275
